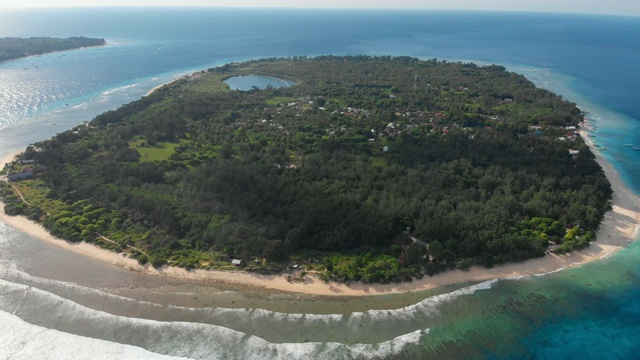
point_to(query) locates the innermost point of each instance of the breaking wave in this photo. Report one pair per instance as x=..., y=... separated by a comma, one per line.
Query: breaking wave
x=65, y=320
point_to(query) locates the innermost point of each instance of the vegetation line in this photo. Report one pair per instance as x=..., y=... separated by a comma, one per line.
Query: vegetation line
x=15, y=48
x=115, y=243
x=371, y=169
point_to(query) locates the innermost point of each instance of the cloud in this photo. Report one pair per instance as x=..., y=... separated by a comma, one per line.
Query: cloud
x=622, y=7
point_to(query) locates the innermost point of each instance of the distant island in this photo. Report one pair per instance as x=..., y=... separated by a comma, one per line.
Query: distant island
x=15, y=48
x=371, y=169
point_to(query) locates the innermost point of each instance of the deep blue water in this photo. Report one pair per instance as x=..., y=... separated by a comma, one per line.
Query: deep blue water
x=591, y=60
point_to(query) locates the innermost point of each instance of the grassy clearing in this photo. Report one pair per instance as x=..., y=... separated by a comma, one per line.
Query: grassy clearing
x=34, y=191
x=277, y=100
x=206, y=83
x=159, y=152
x=379, y=161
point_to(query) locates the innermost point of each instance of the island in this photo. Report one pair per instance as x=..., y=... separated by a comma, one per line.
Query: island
x=15, y=48
x=371, y=169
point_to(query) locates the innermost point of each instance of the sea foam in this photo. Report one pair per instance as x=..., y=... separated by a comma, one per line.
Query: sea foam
x=183, y=339
x=273, y=326
x=21, y=340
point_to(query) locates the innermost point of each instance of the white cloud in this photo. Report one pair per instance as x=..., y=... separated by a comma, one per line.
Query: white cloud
x=623, y=7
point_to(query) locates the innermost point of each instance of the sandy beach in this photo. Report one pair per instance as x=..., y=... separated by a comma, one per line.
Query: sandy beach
x=156, y=88
x=619, y=228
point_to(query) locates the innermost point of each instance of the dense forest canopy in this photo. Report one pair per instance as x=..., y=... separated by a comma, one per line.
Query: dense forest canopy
x=370, y=168
x=14, y=48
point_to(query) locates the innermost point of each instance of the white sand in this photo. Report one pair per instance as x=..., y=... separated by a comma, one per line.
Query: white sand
x=9, y=158
x=619, y=229
x=155, y=88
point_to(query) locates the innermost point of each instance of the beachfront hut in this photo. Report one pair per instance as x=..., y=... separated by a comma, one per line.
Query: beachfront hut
x=19, y=176
x=38, y=169
x=23, y=174
x=236, y=262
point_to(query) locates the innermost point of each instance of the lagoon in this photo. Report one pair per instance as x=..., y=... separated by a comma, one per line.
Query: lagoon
x=81, y=306
x=249, y=82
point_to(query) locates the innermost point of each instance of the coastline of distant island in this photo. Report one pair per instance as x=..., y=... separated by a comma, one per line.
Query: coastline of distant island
x=17, y=48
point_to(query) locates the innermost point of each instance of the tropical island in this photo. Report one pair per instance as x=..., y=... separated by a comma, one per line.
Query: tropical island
x=371, y=169
x=15, y=48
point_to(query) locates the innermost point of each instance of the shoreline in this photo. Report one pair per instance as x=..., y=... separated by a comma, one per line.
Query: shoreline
x=188, y=74
x=619, y=228
x=157, y=87
x=106, y=43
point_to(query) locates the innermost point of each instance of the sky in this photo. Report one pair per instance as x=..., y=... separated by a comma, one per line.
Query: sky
x=616, y=7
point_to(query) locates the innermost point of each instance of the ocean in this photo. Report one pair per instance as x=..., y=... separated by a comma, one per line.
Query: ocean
x=56, y=304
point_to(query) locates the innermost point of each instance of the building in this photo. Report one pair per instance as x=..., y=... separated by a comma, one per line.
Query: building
x=38, y=169
x=26, y=173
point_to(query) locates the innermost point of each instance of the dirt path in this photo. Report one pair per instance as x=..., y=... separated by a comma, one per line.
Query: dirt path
x=115, y=243
x=5, y=179
x=20, y=194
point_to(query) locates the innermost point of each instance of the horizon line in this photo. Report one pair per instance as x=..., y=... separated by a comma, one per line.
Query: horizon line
x=62, y=7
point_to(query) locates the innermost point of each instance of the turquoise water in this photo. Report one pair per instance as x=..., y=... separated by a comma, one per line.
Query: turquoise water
x=591, y=312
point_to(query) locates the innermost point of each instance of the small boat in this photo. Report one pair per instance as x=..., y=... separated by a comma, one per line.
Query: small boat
x=636, y=148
